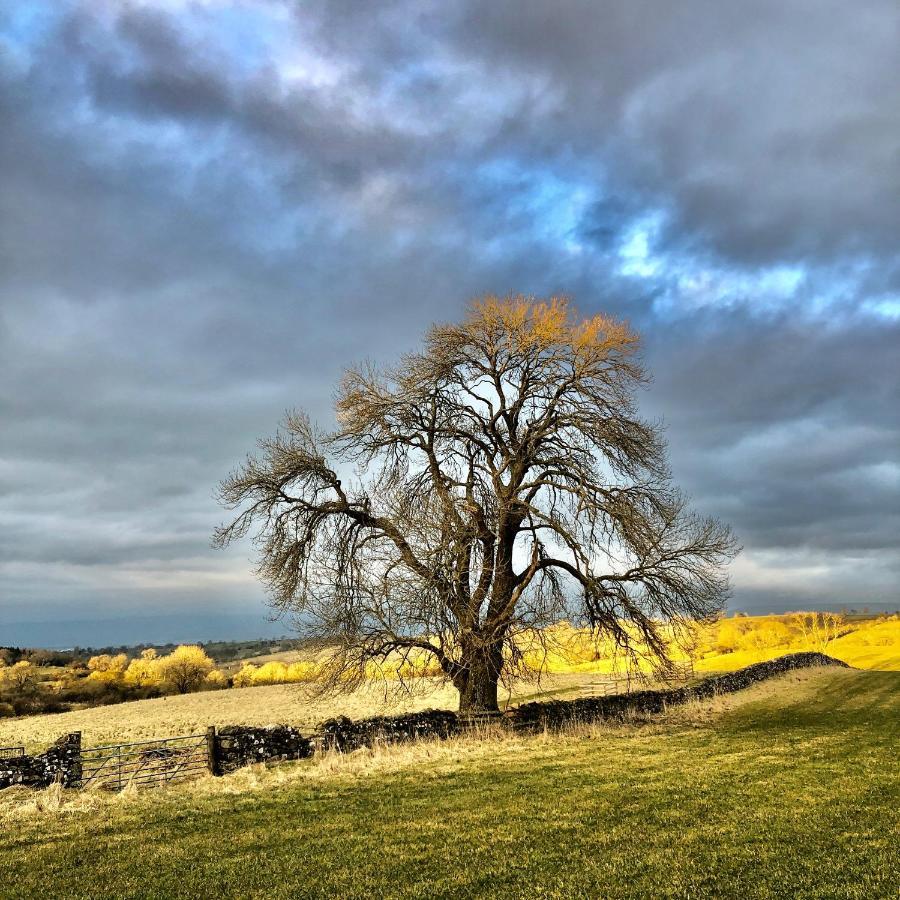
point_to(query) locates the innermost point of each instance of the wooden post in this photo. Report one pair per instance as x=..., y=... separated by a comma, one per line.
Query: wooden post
x=211, y=748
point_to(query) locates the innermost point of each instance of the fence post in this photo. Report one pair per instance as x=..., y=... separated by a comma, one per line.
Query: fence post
x=73, y=773
x=211, y=749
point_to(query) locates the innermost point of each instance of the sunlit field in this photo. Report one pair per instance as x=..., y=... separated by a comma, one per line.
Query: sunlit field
x=869, y=644
x=290, y=704
x=738, y=641
x=192, y=713
x=788, y=789
x=732, y=643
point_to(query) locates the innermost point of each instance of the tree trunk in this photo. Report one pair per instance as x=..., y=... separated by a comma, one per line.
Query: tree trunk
x=478, y=684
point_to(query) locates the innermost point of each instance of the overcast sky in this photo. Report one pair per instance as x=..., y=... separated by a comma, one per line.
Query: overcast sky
x=208, y=209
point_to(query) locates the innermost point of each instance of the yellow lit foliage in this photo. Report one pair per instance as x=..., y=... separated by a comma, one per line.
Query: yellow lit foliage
x=418, y=664
x=185, y=668
x=271, y=673
x=215, y=680
x=727, y=644
x=244, y=678
x=18, y=677
x=415, y=663
x=734, y=642
x=144, y=671
x=524, y=325
x=275, y=672
x=106, y=668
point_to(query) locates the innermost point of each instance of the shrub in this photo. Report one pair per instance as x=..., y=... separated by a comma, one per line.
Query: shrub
x=20, y=677
x=216, y=680
x=185, y=668
x=244, y=678
x=271, y=673
x=145, y=670
x=106, y=668
x=299, y=672
x=275, y=672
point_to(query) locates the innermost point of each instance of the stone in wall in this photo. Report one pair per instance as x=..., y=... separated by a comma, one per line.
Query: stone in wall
x=345, y=735
x=585, y=709
x=61, y=763
x=240, y=745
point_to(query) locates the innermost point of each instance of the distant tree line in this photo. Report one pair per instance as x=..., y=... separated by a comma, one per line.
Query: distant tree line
x=28, y=686
x=219, y=651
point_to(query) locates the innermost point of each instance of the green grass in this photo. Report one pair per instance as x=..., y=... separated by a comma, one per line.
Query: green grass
x=789, y=790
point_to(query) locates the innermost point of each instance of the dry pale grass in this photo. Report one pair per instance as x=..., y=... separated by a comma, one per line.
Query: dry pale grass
x=192, y=713
x=291, y=704
x=428, y=758
x=24, y=804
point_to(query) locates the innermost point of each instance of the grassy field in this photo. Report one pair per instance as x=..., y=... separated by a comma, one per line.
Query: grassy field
x=288, y=704
x=865, y=642
x=873, y=644
x=787, y=790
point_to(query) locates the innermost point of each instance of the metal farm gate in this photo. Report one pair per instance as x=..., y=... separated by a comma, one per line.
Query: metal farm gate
x=117, y=766
x=11, y=752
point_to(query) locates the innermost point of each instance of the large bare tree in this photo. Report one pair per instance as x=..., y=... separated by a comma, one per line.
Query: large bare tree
x=503, y=482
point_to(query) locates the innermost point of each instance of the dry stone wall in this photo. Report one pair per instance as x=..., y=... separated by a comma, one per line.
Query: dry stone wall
x=235, y=746
x=61, y=763
x=346, y=735
x=557, y=712
x=239, y=745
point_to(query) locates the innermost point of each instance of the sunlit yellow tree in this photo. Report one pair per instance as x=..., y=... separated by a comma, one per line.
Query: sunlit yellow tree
x=145, y=670
x=508, y=483
x=185, y=668
x=20, y=678
x=818, y=629
x=107, y=668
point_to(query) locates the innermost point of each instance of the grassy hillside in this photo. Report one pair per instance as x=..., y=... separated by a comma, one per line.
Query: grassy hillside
x=787, y=790
x=876, y=646
x=865, y=642
x=869, y=644
x=735, y=642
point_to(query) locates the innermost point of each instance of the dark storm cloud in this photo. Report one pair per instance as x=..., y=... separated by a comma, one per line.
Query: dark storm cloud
x=768, y=129
x=207, y=210
x=795, y=429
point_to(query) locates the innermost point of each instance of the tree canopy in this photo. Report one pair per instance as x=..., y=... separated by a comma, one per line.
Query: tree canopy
x=495, y=482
